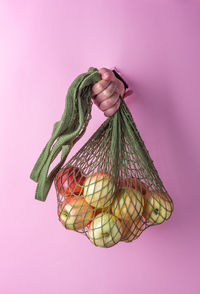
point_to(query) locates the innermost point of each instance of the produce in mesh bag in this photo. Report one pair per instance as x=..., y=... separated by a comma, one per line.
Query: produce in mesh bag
x=109, y=190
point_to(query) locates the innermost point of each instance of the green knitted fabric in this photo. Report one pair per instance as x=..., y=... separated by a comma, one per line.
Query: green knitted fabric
x=66, y=132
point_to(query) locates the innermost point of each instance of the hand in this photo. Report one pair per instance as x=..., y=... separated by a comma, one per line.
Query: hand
x=107, y=92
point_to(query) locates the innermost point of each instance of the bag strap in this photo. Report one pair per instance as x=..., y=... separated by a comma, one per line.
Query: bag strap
x=66, y=132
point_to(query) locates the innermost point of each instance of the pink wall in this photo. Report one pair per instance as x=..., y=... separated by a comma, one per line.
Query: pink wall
x=44, y=45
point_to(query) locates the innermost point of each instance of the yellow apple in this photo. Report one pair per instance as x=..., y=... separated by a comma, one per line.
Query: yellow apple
x=128, y=204
x=132, y=229
x=105, y=230
x=75, y=213
x=158, y=207
x=98, y=190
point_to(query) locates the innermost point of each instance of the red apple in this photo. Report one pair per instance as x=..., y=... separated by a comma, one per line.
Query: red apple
x=75, y=213
x=69, y=181
x=132, y=229
x=99, y=189
x=136, y=184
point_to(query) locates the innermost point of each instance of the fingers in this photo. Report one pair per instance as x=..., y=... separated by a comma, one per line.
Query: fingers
x=106, y=74
x=109, y=103
x=109, y=112
x=106, y=92
x=100, y=87
x=103, y=91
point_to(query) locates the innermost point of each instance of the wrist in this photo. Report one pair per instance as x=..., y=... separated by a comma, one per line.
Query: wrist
x=120, y=78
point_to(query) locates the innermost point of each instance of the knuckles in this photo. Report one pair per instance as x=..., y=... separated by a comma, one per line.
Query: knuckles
x=100, y=86
x=109, y=103
x=106, y=105
x=107, y=92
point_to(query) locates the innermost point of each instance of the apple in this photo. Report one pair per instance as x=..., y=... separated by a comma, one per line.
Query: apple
x=136, y=184
x=99, y=189
x=158, y=207
x=101, y=210
x=132, y=229
x=69, y=181
x=105, y=230
x=75, y=213
x=140, y=185
x=128, y=204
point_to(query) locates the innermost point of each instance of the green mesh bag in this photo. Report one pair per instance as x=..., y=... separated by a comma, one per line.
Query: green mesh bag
x=109, y=190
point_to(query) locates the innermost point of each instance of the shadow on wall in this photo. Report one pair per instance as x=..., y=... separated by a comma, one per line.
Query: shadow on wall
x=156, y=102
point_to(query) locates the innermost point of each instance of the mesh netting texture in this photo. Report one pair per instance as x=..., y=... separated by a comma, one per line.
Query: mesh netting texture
x=110, y=190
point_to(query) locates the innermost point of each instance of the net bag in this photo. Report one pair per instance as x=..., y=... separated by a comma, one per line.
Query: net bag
x=109, y=190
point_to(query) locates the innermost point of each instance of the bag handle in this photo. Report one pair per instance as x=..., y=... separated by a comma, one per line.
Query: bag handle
x=66, y=132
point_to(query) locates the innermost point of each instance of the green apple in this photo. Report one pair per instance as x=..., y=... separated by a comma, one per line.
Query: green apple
x=105, y=230
x=158, y=207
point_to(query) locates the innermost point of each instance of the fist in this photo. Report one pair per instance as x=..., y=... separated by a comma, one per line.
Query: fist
x=106, y=92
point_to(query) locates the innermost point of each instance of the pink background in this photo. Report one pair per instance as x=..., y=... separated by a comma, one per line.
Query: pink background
x=44, y=46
